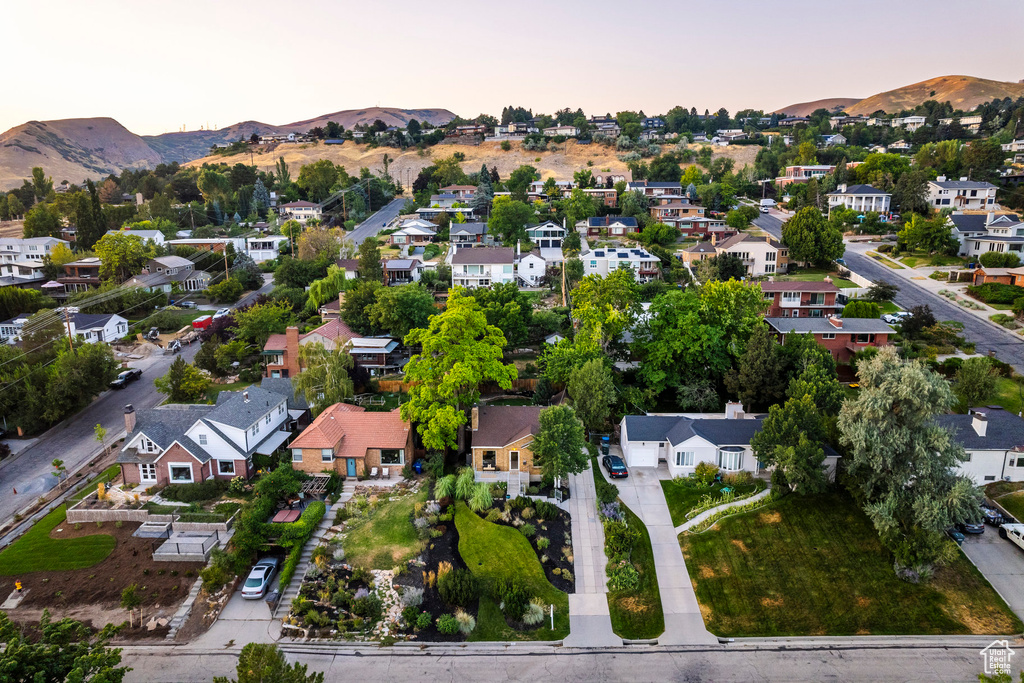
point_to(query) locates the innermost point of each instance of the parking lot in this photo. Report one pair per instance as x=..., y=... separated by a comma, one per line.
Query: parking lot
x=1001, y=562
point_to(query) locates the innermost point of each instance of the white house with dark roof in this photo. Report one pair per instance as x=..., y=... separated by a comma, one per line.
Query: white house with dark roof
x=981, y=233
x=861, y=198
x=264, y=247
x=468, y=234
x=163, y=272
x=482, y=266
x=962, y=194
x=994, y=441
x=301, y=211
x=14, y=249
x=548, y=234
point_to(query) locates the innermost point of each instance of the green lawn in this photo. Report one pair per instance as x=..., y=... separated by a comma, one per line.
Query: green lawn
x=682, y=499
x=36, y=551
x=104, y=476
x=816, y=275
x=493, y=552
x=638, y=614
x=814, y=566
x=387, y=537
x=1001, y=307
x=884, y=260
x=889, y=307
x=919, y=259
x=1007, y=395
x=1014, y=504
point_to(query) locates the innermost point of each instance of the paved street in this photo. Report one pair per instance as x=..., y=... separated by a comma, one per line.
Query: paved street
x=375, y=223
x=1001, y=562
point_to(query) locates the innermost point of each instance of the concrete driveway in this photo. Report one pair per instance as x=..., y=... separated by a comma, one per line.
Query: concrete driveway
x=242, y=621
x=1001, y=562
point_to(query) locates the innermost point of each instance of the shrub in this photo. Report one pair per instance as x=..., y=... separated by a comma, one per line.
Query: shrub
x=543, y=543
x=623, y=577
x=493, y=515
x=993, y=293
x=409, y=615
x=412, y=597
x=705, y=472
x=466, y=621
x=481, y=498
x=514, y=600
x=506, y=145
x=465, y=483
x=435, y=465
x=368, y=607
x=619, y=539
x=457, y=587
x=606, y=493
x=527, y=530
x=527, y=513
x=423, y=620
x=534, y=614
x=197, y=492
x=218, y=572
x=862, y=309
x=545, y=510
x=741, y=478
x=999, y=259
x=447, y=624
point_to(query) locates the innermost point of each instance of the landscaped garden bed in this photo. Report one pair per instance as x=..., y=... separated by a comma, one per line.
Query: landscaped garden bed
x=689, y=496
x=813, y=565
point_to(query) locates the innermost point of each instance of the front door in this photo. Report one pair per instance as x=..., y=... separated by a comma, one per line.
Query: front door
x=513, y=461
x=351, y=467
x=147, y=472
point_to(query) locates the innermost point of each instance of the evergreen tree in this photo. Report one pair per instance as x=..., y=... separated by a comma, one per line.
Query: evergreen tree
x=260, y=198
x=757, y=380
x=369, y=260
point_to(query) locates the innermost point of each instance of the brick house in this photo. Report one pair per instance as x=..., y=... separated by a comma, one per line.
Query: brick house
x=678, y=213
x=608, y=197
x=843, y=337
x=184, y=444
x=350, y=441
x=282, y=350
x=612, y=226
x=801, y=299
x=502, y=436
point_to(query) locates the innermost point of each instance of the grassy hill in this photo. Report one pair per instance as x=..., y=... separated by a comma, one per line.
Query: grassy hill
x=963, y=92
x=806, y=108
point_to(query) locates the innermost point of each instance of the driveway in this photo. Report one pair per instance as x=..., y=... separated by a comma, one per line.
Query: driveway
x=242, y=621
x=642, y=493
x=1001, y=562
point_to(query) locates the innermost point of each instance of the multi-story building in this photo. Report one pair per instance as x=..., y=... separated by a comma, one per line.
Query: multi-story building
x=281, y=351
x=265, y=247
x=961, y=194
x=801, y=174
x=650, y=188
x=612, y=226
x=760, y=255
x=482, y=266
x=861, y=198
x=154, y=236
x=602, y=262
x=546, y=235
x=679, y=213
x=301, y=211
x=163, y=272
x=842, y=337
x=608, y=197
x=801, y=299
x=27, y=249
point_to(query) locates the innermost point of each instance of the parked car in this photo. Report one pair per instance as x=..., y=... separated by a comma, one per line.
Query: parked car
x=992, y=516
x=258, y=581
x=1013, y=533
x=972, y=527
x=895, y=318
x=186, y=304
x=955, y=535
x=125, y=378
x=616, y=468
x=221, y=313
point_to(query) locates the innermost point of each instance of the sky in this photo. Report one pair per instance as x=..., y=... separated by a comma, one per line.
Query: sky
x=159, y=66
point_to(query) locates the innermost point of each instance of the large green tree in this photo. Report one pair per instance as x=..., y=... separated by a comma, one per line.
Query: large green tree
x=508, y=220
x=508, y=309
x=459, y=351
x=901, y=463
x=757, y=377
x=558, y=446
x=396, y=310
x=519, y=180
x=325, y=378
x=40, y=221
x=370, y=267
x=317, y=179
x=358, y=304
x=64, y=650
x=811, y=238
x=265, y=663
x=593, y=393
x=254, y=324
x=183, y=382
x=790, y=440
x=122, y=255
x=821, y=385
x=975, y=381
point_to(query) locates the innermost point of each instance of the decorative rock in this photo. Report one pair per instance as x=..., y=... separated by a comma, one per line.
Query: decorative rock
x=162, y=621
x=151, y=625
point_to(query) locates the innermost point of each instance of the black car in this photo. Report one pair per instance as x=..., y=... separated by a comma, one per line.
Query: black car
x=972, y=527
x=616, y=468
x=125, y=378
x=992, y=516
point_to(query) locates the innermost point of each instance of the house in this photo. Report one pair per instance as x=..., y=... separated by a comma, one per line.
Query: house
x=609, y=198
x=961, y=194
x=282, y=350
x=612, y=226
x=801, y=299
x=501, y=440
x=609, y=178
x=1015, y=146
x=679, y=213
x=97, y=327
x=833, y=140
x=184, y=444
x=603, y=262
x=842, y=337
x=729, y=135
x=910, y=123
x=969, y=123
x=470, y=129
x=655, y=122
x=700, y=136
x=432, y=213
x=167, y=273
x=468, y=234
x=154, y=236
x=402, y=271
x=841, y=120
x=562, y=187
x=801, y=174
x=265, y=247
x=650, y=188
x=445, y=201
x=981, y=244
x=27, y=249
x=567, y=131
x=415, y=231
x=349, y=266
x=482, y=266
x=701, y=251
x=994, y=441
x=531, y=267
x=464, y=192
x=760, y=255
x=378, y=355
x=301, y=211
x=215, y=244
x=23, y=274
x=81, y=275
x=967, y=226
x=793, y=120
x=352, y=442
x=999, y=276
x=860, y=198
x=546, y=235
x=11, y=330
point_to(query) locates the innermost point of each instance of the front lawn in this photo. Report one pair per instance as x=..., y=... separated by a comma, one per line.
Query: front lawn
x=1007, y=395
x=385, y=537
x=814, y=566
x=921, y=259
x=1014, y=504
x=36, y=551
x=816, y=275
x=637, y=614
x=494, y=552
x=682, y=499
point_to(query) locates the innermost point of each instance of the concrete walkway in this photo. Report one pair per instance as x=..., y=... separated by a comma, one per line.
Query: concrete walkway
x=684, y=625
x=590, y=624
x=724, y=506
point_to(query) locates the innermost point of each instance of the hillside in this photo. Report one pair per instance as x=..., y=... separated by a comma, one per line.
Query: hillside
x=806, y=108
x=963, y=92
x=407, y=164
x=71, y=149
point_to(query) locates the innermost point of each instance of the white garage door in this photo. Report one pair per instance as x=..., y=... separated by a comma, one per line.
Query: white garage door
x=641, y=454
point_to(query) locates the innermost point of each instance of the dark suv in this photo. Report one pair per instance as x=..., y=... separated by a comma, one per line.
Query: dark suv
x=125, y=378
x=616, y=468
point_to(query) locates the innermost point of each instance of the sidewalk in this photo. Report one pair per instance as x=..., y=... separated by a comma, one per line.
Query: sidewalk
x=684, y=625
x=725, y=506
x=590, y=624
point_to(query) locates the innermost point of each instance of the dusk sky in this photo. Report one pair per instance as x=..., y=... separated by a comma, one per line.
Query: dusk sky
x=156, y=67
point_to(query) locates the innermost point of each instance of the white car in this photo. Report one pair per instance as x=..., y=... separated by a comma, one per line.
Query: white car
x=895, y=318
x=221, y=313
x=258, y=581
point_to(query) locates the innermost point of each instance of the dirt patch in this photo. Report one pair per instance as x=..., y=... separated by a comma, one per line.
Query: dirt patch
x=634, y=605
x=773, y=517
x=706, y=572
x=739, y=544
x=771, y=602
x=863, y=602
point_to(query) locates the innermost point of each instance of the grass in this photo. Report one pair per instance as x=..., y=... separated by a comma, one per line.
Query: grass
x=1001, y=307
x=1014, y=504
x=36, y=551
x=889, y=307
x=386, y=537
x=814, y=566
x=214, y=390
x=493, y=552
x=104, y=476
x=919, y=259
x=884, y=260
x=391, y=401
x=816, y=275
x=1007, y=395
x=638, y=614
x=682, y=499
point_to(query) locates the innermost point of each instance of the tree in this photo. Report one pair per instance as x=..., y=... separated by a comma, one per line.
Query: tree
x=42, y=185
x=519, y=182
x=319, y=244
x=930, y=235
x=920, y=319
x=14, y=206
x=975, y=381
x=317, y=179
x=226, y=291
x=508, y=309
x=254, y=324
x=821, y=385
x=862, y=309
x=881, y=291
x=369, y=260
x=692, y=176
x=724, y=267
x=901, y=462
x=42, y=222
x=508, y=220
x=60, y=470
x=122, y=255
x=325, y=379
x=183, y=382
x=130, y=601
x=911, y=193
x=260, y=198
x=245, y=270
x=811, y=238
x=265, y=663
x=558, y=447
x=757, y=380
x=65, y=650
x=636, y=204
x=358, y=303
x=459, y=352
x=578, y=207
x=593, y=393
x=790, y=439
x=396, y=310
x=100, y=433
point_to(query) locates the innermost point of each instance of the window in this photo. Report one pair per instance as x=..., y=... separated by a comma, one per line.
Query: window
x=863, y=338
x=147, y=472
x=280, y=409
x=769, y=267
x=730, y=458
x=489, y=461
x=326, y=455
x=268, y=418
x=828, y=335
x=817, y=299
x=181, y=473
x=296, y=455
x=256, y=429
x=202, y=439
x=392, y=456
x=684, y=458
x=226, y=467
x=990, y=477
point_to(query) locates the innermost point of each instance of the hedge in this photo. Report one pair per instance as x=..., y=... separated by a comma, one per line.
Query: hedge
x=993, y=293
x=296, y=535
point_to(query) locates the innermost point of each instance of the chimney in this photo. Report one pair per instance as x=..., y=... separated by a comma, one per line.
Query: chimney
x=980, y=423
x=291, y=350
x=734, y=410
x=827, y=279
x=245, y=396
x=129, y=418
x=474, y=419
x=714, y=238
x=991, y=217
x=941, y=179
x=835, y=322
x=841, y=188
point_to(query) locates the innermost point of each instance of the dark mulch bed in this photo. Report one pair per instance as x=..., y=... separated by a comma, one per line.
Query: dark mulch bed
x=548, y=491
x=558, y=530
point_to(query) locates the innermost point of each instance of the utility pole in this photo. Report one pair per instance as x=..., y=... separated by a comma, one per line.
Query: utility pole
x=225, y=262
x=67, y=321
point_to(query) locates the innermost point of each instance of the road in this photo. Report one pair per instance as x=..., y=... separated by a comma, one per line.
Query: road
x=74, y=441
x=375, y=223
x=793, y=661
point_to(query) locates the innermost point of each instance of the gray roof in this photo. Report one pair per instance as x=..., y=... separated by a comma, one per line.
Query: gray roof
x=90, y=321
x=962, y=184
x=484, y=255
x=968, y=222
x=822, y=325
x=282, y=386
x=605, y=221
x=677, y=428
x=163, y=426
x=858, y=189
x=234, y=410
x=475, y=228
x=401, y=264
x=173, y=261
x=1005, y=430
